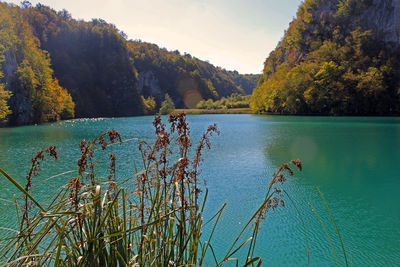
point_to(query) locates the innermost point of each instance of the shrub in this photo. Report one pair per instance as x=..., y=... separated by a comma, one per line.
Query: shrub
x=167, y=106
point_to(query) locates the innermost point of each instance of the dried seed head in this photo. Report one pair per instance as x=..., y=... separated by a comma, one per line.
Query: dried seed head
x=285, y=166
x=297, y=162
x=281, y=178
x=113, y=135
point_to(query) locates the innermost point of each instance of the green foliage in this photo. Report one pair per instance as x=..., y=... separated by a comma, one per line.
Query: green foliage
x=91, y=59
x=149, y=105
x=179, y=75
x=28, y=74
x=330, y=61
x=99, y=68
x=232, y=101
x=198, y=111
x=4, y=95
x=167, y=106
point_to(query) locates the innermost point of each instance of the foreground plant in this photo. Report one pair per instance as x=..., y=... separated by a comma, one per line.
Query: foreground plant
x=154, y=217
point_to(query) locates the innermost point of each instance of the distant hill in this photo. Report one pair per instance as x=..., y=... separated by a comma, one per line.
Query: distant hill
x=47, y=57
x=337, y=57
x=185, y=78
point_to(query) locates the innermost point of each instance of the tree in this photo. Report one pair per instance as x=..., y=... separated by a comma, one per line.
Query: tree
x=4, y=95
x=26, y=4
x=167, y=106
x=149, y=105
x=331, y=61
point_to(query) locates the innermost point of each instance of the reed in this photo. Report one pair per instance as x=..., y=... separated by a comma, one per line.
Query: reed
x=153, y=218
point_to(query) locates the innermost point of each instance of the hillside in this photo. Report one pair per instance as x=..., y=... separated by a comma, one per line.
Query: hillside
x=56, y=67
x=336, y=58
x=185, y=78
x=28, y=90
x=91, y=60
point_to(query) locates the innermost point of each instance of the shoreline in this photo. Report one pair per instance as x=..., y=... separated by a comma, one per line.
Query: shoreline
x=196, y=111
x=217, y=111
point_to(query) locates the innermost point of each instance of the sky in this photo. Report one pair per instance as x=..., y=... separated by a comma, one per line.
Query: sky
x=233, y=34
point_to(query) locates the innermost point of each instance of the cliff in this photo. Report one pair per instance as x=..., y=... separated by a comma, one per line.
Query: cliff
x=383, y=16
x=336, y=58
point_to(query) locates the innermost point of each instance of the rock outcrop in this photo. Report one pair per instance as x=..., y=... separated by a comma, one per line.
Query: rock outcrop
x=383, y=16
x=20, y=104
x=149, y=86
x=338, y=57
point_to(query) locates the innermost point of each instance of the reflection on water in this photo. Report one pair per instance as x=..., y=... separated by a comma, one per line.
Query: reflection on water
x=353, y=160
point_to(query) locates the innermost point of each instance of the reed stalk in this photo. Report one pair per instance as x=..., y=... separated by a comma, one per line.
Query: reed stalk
x=155, y=217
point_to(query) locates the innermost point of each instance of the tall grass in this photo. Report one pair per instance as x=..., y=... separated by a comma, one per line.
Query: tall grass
x=154, y=217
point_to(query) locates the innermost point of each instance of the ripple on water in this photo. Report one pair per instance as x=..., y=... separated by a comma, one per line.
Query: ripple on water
x=352, y=160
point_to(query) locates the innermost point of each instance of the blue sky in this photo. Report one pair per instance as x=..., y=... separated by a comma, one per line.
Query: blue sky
x=234, y=34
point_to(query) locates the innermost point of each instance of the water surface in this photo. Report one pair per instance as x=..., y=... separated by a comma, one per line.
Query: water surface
x=354, y=161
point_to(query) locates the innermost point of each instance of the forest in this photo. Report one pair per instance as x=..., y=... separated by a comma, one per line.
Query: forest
x=55, y=67
x=336, y=58
x=28, y=91
x=178, y=75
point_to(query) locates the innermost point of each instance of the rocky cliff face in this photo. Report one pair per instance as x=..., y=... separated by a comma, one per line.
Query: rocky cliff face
x=22, y=109
x=9, y=65
x=149, y=85
x=396, y=20
x=20, y=104
x=321, y=20
x=383, y=16
x=337, y=57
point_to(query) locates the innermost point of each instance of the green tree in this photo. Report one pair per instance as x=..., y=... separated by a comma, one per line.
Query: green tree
x=188, y=72
x=149, y=105
x=167, y=106
x=4, y=95
x=331, y=61
x=36, y=94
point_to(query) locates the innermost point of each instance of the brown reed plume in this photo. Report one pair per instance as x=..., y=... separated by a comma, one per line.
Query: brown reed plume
x=153, y=217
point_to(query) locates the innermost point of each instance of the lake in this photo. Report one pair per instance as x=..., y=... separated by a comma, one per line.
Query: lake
x=353, y=160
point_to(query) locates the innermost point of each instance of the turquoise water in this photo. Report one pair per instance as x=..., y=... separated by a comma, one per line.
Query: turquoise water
x=354, y=161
